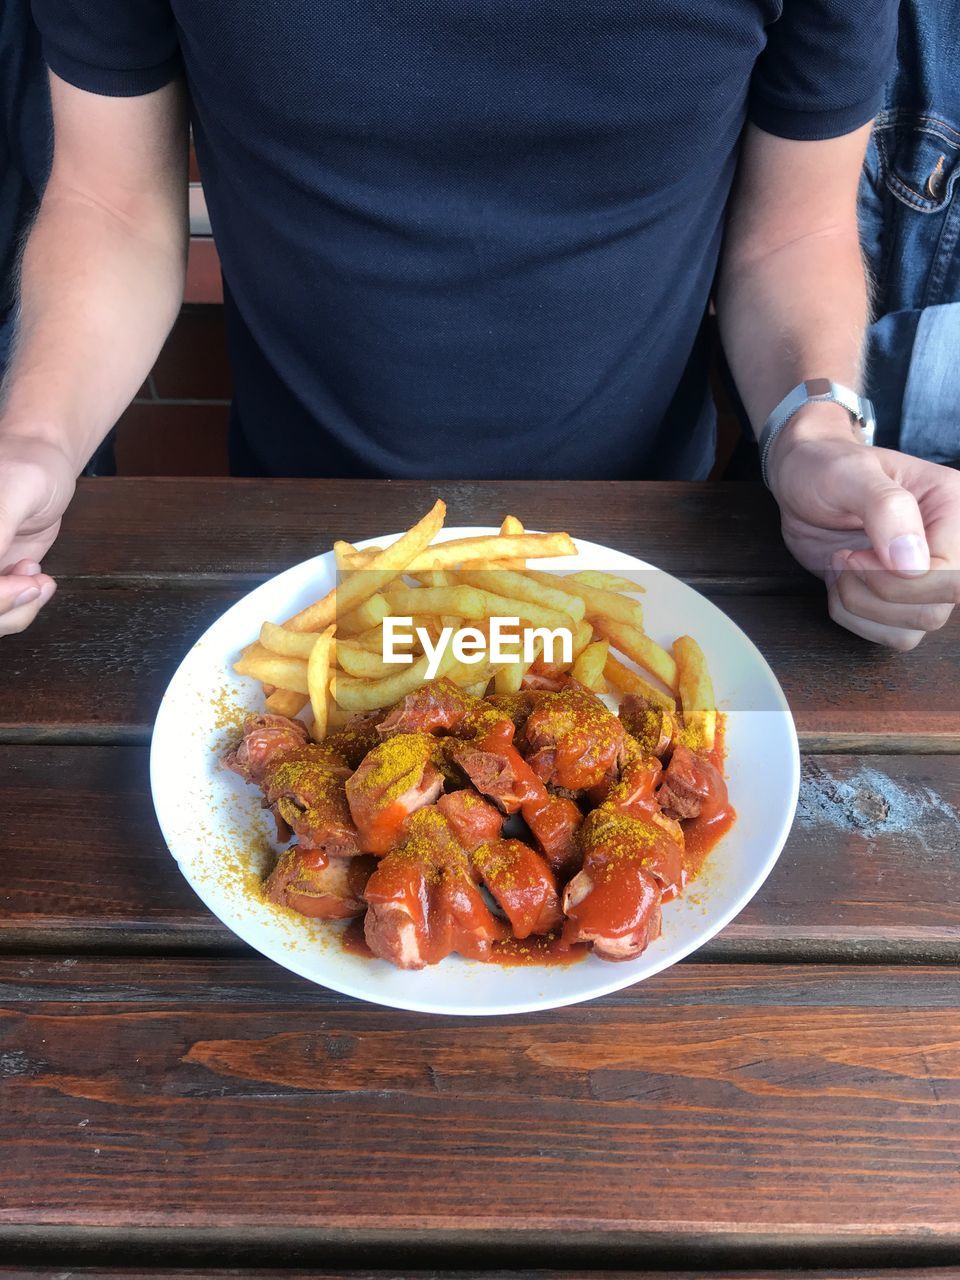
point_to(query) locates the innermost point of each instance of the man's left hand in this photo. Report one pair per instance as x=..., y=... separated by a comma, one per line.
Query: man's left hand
x=882, y=528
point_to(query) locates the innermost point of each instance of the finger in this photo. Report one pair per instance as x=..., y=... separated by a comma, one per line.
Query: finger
x=858, y=599
x=940, y=502
x=25, y=568
x=939, y=585
x=20, y=612
x=892, y=637
x=17, y=589
x=890, y=514
x=838, y=562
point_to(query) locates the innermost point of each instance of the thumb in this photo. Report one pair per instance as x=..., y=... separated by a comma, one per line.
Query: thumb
x=891, y=520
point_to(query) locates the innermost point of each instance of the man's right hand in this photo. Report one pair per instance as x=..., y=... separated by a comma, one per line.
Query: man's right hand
x=36, y=484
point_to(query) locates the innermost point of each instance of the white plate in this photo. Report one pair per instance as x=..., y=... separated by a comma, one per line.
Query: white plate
x=221, y=839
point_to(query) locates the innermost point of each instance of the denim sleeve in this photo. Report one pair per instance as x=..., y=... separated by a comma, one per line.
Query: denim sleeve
x=111, y=47
x=824, y=67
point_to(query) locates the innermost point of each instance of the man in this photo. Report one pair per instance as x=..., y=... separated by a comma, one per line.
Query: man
x=478, y=240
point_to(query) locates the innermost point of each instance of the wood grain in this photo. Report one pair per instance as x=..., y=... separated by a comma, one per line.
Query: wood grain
x=259, y=1273
x=869, y=871
x=82, y=861
x=806, y=1103
x=727, y=533
x=221, y=1107
x=95, y=663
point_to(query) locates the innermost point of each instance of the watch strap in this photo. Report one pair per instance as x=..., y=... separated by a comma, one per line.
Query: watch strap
x=814, y=390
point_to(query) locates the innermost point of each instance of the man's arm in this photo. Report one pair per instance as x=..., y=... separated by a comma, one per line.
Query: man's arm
x=792, y=296
x=792, y=305
x=101, y=283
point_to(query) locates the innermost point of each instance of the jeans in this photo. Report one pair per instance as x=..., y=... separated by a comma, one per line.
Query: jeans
x=909, y=206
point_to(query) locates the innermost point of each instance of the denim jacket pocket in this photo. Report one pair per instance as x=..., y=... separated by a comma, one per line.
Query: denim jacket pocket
x=910, y=212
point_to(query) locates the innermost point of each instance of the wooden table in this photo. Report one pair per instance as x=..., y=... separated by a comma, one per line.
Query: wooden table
x=788, y=1097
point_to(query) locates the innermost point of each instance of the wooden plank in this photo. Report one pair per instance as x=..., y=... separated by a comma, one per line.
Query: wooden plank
x=259, y=1273
x=254, y=528
x=846, y=694
x=714, y=1102
x=872, y=853
x=95, y=663
x=870, y=869
x=84, y=863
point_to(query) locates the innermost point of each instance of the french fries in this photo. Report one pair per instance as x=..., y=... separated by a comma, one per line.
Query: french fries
x=318, y=675
x=337, y=716
x=348, y=557
x=605, y=581
x=473, y=604
x=284, y=702
x=270, y=668
x=521, y=586
x=490, y=551
x=344, y=556
x=288, y=644
x=597, y=603
x=381, y=569
x=330, y=655
x=696, y=692
x=636, y=644
x=588, y=668
x=372, y=640
x=369, y=614
x=508, y=677
x=469, y=674
x=582, y=636
x=460, y=602
x=354, y=694
x=536, y=615
x=435, y=578
x=509, y=526
x=626, y=680
x=366, y=664
x=464, y=551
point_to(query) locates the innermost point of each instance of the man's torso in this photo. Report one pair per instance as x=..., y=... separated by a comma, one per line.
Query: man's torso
x=470, y=239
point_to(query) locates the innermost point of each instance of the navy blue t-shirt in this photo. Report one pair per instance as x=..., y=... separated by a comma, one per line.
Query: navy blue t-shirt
x=476, y=237
x=24, y=133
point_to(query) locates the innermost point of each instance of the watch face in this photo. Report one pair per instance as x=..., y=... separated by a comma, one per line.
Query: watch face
x=819, y=387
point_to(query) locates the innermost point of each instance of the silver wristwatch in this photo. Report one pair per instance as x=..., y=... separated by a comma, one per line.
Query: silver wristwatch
x=862, y=417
